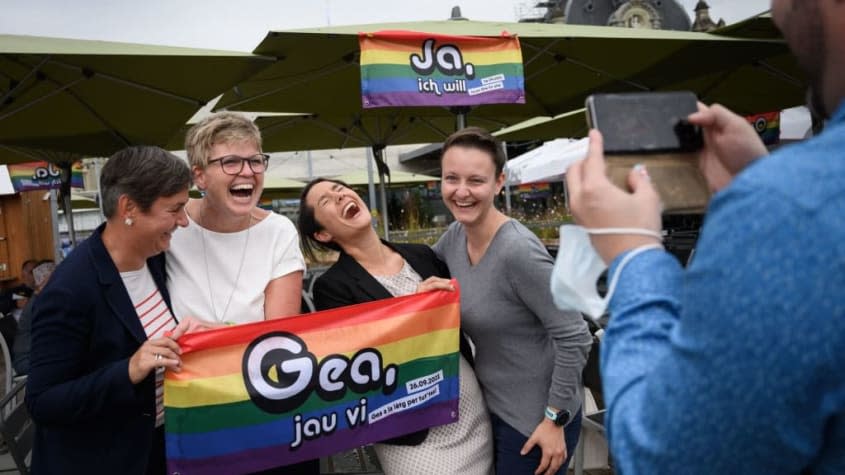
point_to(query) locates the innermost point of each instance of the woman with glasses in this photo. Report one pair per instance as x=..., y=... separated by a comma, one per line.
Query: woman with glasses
x=234, y=262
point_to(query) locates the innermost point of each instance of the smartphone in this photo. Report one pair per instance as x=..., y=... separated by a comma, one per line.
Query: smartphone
x=645, y=122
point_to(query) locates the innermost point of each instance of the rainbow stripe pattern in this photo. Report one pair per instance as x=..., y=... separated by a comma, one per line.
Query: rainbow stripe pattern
x=767, y=126
x=407, y=68
x=267, y=394
x=42, y=176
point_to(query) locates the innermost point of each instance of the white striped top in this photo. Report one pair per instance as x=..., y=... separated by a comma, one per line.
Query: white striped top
x=155, y=318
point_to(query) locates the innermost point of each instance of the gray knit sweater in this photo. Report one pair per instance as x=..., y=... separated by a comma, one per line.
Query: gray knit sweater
x=529, y=354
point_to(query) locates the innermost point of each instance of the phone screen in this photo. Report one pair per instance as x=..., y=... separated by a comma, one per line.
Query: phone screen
x=649, y=122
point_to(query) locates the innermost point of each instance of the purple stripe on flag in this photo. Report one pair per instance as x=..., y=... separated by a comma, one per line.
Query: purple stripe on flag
x=416, y=99
x=254, y=460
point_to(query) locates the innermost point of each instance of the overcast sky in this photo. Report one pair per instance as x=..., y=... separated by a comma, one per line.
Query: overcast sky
x=242, y=24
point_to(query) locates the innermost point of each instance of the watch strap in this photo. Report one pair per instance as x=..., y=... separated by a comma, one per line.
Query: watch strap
x=560, y=418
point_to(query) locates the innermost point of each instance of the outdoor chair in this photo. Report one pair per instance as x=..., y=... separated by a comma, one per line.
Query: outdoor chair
x=16, y=427
x=9, y=375
x=592, y=450
x=307, y=305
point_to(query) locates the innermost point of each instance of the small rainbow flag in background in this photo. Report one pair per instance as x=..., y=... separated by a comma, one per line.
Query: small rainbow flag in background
x=407, y=68
x=767, y=126
x=42, y=176
x=272, y=393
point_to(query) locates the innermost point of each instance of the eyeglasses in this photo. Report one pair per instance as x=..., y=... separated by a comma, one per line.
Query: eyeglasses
x=233, y=164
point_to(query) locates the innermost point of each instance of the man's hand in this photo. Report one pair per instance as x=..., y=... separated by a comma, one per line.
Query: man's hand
x=597, y=203
x=730, y=144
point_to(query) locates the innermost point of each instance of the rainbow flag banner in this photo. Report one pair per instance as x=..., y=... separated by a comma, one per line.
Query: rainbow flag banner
x=267, y=394
x=407, y=68
x=42, y=175
x=767, y=126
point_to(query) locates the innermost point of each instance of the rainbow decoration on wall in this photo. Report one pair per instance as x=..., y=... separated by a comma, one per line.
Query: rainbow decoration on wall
x=42, y=176
x=266, y=394
x=407, y=68
x=767, y=126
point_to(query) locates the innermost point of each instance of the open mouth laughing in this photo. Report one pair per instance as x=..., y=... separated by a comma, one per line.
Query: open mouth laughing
x=351, y=210
x=243, y=190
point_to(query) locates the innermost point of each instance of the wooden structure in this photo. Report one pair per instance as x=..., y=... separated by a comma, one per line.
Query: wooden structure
x=26, y=232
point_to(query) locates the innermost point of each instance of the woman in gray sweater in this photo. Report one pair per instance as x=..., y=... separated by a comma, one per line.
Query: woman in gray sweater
x=529, y=355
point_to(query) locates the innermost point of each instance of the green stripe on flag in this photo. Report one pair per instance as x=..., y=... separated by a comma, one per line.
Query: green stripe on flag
x=245, y=413
x=381, y=71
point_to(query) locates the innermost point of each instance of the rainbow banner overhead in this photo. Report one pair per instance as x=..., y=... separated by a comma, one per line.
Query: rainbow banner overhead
x=767, y=126
x=407, y=68
x=42, y=176
x=267, y=394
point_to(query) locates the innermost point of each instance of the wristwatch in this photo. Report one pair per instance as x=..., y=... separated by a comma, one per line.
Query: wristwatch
x=560, y=418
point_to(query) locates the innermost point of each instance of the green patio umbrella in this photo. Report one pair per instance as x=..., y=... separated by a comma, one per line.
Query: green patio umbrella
x=83, y=200
x=11, y=154
x=318, y=73
x=95, y=97
x=571, y=124
x=397, y=178
x=296, y=132
x=272, y=182
x=764, y=85
x=63, y=99
x=758, y=26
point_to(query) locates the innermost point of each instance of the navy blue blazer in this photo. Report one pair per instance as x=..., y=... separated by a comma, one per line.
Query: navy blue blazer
x=88, y=415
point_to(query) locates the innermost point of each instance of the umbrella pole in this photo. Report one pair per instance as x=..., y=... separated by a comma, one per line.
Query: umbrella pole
x=460, y=116
x=54, y=215
x=507, y=183
x=66, y=176
x=378, y=154
x=371, y=189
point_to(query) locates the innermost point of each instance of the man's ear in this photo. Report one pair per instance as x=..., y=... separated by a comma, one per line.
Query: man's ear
x=323, y=236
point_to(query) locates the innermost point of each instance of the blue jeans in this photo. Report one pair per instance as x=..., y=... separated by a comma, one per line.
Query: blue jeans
x=509, y=441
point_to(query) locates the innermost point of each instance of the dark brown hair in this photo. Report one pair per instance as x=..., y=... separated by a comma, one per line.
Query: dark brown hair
x=478, y=138
x=144, y=173
x=308, y=224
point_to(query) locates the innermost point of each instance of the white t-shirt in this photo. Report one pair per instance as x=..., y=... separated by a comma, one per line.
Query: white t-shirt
x=198, y=258
x=155, y=318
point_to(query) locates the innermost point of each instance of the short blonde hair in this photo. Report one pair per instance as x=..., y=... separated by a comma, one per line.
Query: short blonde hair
x=220, y=127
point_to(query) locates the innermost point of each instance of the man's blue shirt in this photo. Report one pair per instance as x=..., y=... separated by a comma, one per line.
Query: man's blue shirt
x=737, y=365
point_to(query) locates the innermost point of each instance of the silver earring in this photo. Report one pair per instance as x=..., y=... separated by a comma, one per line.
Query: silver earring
x=128, y=221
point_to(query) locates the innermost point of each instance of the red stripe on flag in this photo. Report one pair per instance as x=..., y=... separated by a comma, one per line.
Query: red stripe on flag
x=353, y=315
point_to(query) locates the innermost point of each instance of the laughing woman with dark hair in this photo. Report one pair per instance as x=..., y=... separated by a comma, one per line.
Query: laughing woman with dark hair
x=332, y=216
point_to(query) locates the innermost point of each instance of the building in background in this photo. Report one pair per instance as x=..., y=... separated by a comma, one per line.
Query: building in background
x=653, y=14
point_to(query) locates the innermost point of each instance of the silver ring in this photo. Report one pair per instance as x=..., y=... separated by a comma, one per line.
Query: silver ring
x=158, y=357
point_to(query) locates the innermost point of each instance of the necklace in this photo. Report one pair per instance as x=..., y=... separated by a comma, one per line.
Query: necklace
x=221, y=318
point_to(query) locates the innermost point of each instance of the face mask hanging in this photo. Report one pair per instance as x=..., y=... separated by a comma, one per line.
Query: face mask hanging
x=578, y=267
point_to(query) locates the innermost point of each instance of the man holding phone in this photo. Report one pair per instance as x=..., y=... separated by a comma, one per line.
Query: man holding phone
x=734, y=365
